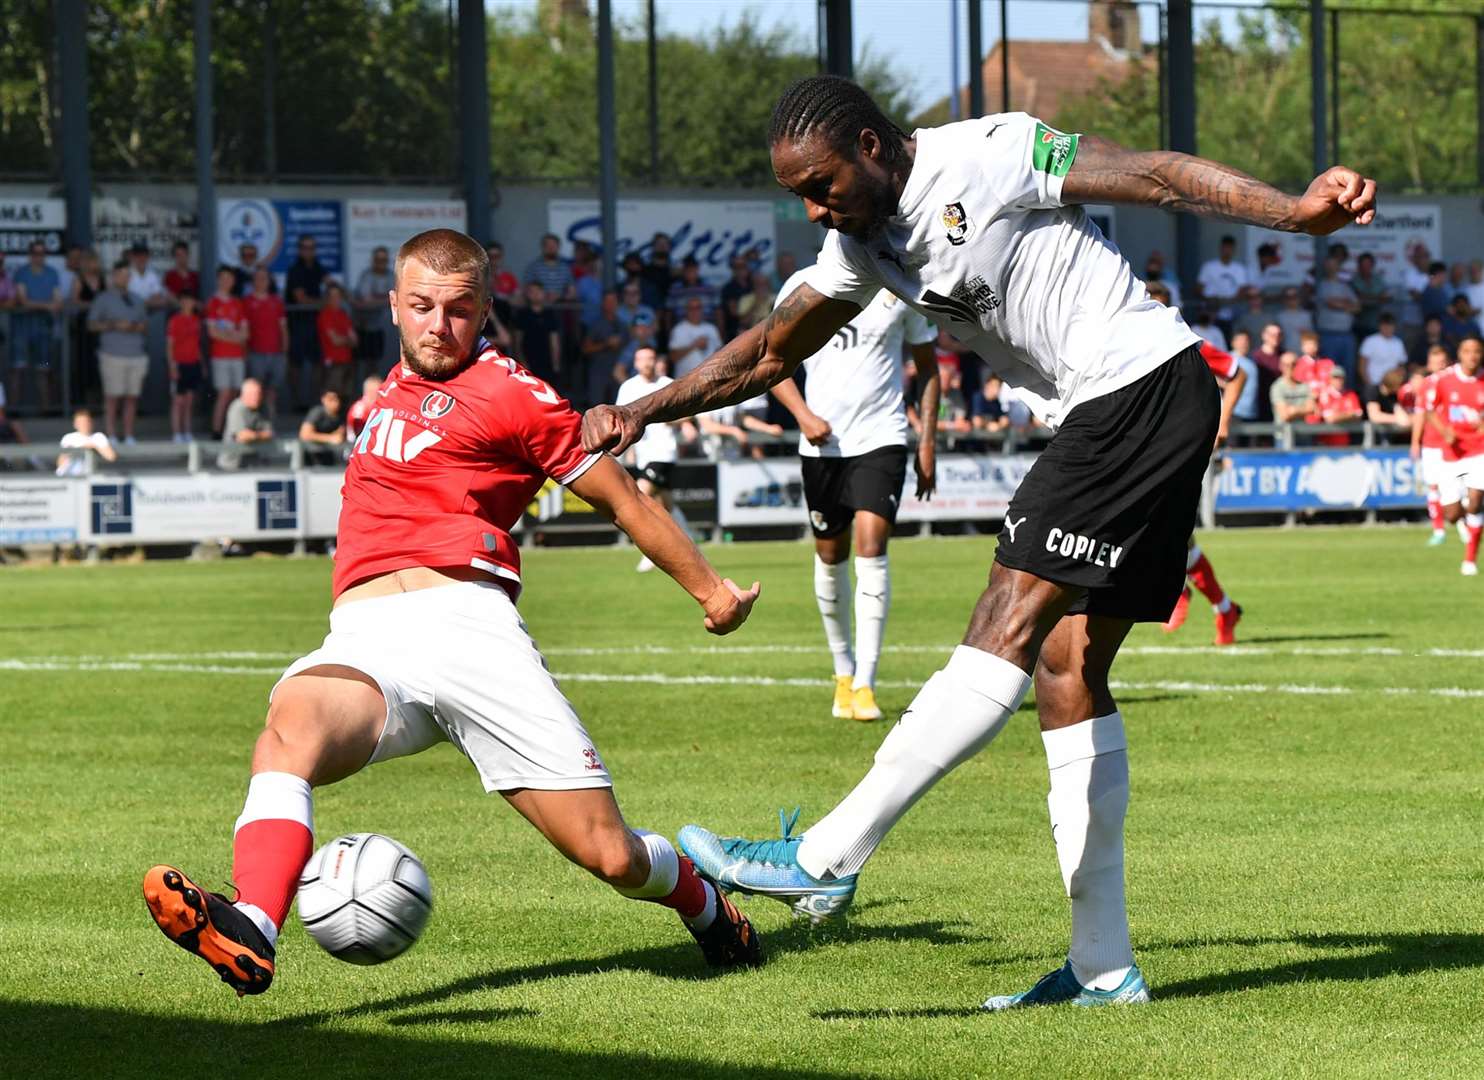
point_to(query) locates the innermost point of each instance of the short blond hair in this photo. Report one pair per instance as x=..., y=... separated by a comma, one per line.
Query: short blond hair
x=446, y=251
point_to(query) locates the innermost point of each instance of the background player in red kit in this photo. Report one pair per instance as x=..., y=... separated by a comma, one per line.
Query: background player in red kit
x=426, y=578
x=1198, y=569
x=1427, y=446
x=1457, y=414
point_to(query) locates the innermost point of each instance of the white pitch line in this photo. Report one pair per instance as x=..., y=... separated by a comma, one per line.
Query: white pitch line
x=660, y=679
x=776, y=649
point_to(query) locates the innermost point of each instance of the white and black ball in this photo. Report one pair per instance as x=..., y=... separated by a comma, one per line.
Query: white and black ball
x=365, y=898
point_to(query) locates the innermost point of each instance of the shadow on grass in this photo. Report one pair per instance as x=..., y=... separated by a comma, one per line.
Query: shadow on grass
x=1352, y=958
x=1274, y=639
x=679, y=961
x=1341, y=957
x=463, y=1016
x=49, y=1040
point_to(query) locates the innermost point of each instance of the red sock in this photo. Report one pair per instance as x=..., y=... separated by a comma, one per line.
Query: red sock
x=688, y=898
x=1471, y=547
x=1435, y=510
x=1204, y=578
x=267, y=858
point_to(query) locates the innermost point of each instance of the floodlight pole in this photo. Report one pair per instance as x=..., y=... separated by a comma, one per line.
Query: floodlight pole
x=607, y=144
x=208, y=256
x=1319, y=110
x=1181, y=39
x=474, y=117
x=77, y=162
x=835, y=37
x=976, y=58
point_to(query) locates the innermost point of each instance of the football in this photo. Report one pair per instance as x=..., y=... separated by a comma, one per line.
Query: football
x=365, y=898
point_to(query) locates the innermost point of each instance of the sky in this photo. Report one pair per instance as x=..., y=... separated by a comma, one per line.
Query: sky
x=914, y=34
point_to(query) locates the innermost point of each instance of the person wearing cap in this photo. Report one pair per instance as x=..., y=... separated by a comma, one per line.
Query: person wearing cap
x=642, y=331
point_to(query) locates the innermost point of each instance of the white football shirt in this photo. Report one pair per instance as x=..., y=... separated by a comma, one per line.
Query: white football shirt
x=658, y=443
x=983, y=246
x=855, y=382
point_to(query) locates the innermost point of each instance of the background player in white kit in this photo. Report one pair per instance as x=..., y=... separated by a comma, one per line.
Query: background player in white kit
x=853, y=441
x=425, y=642
x=655, y=453
x=977, y=225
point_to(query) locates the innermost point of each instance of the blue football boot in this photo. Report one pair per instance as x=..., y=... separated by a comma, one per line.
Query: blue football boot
x=767, y=868
x=1060, y=987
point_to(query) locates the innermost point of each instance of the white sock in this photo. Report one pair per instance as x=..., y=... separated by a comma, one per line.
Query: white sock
x=955, y=715
x=872, y=598
x=277, y=796
x=260, y=919
x=664, y=868
x=831, y=582
x=1088, y=763
x=1223, y=607
x=1192, y=556
x=664, y=875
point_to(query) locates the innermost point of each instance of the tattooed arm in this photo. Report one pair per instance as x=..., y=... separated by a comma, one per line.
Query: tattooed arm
x=743, y=368
x=1105, y=172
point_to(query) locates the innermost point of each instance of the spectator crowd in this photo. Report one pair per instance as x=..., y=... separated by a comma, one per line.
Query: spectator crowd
x=1347, y=344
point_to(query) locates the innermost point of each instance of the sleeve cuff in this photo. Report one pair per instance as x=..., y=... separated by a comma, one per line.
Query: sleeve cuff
x=587, y=462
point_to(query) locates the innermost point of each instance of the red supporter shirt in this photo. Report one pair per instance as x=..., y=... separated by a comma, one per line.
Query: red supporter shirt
x=1460, y=403
x=1222, y=364
x=506, y=284
x=355, y=416
x=444, y=469
x=336, y=319
x=265, y=316
x=1426, y=402
x=1314, y=370
x=185, y=337
x=182, y=284
x=227, y=313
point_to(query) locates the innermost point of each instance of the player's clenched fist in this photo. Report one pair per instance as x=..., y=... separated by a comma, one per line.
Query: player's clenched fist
x=728, y=606
x=1337, y=197
x=613, y=428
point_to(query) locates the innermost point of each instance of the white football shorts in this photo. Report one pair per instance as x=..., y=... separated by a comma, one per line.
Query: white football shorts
x=455, y=662
x=1443, y=475
x=1471, y=472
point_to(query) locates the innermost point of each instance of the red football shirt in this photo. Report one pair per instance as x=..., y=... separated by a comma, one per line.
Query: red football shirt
x=444, y=469
x=185, y=336
x=336, y=320
x=1222, y=364
x=264, y=323
x=1426, y=402
x=1460, y=402
x=227, y=314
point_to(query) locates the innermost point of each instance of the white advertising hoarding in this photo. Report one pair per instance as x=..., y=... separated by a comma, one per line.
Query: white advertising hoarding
x=39, y=510
x=1397, y=229
x=970, y=488
x=23, y=220
x=389, y=223
x=712, y=231
x=201, y=506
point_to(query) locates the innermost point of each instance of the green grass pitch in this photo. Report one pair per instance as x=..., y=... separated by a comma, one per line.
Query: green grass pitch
x=1303, y=842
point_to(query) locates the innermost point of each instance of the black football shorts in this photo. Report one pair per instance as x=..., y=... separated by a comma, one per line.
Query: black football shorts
x=836, y=487
x=1110, y=504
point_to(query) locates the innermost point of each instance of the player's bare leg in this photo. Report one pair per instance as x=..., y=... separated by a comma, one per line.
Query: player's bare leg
x=322, y=726
x=872, y=601
x=586, y=826
x=831, y=592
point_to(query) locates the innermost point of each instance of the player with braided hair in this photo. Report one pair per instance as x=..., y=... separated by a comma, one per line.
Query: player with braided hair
x=979, y=226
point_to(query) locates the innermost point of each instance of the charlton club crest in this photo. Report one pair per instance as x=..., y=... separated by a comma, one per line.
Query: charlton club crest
x=956, y=222
x=437, y=404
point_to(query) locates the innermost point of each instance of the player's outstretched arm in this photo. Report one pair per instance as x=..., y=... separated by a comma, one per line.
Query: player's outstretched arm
x=1103, y=171
x=743, y=368
x=613, y=492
